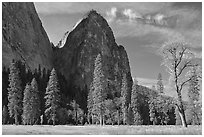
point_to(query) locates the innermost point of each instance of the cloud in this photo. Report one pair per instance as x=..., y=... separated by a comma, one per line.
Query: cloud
x=131, y=14
x=111, y=15
x=177, y=25
x=168, y=21
x=172, y=22
x=76, y=7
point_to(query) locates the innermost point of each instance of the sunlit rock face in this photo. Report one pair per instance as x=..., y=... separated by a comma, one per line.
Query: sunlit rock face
x=76, y=58
x=23, y=37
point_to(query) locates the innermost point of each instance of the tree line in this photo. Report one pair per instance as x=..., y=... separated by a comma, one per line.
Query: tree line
x=26, y=105
x=41, y=98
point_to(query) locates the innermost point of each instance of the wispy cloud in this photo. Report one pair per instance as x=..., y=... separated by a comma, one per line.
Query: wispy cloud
x=131, y=14
x=111, y=15
x=172, y=23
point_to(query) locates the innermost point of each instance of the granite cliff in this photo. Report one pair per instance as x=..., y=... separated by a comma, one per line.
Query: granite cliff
x=23, y=36
x=75, y=59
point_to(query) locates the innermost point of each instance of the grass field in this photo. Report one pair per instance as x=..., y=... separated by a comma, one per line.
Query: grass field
x=98, y=130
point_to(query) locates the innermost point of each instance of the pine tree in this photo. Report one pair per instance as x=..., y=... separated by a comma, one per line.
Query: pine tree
x=90, y=103
x=110, y=111
x=14, y=93
x=99, y=89
x=193, y=96
x=135, y=106
x=124, y=97
x=52, y=97
x=153, y=88
x=152, y=111
x=118, y=104
x=27, y=107
x=130, y=115
x=75, y=107
x=31, y=104
x=160, y=86
x=35, y=100
x=5, y=83
x=138, y=119
x=5, y=115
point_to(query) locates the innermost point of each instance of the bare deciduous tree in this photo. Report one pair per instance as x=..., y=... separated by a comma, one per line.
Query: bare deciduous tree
x=178, y=58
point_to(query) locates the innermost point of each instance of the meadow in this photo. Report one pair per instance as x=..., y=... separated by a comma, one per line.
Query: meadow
x=99, y=130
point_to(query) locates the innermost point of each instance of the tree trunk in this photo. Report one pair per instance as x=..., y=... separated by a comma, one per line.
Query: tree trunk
x=182, y=116
x=16, y=119
x=124, y=118
x=181, y=109
x=183, y=119
x=101, y=119
x=76, y=117
x=118, y=117
x=92, y=119
x=88, y=118
x=197, y=118
x=53, y=121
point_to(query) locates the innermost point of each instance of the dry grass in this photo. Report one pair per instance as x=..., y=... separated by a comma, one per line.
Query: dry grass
x=99, y=130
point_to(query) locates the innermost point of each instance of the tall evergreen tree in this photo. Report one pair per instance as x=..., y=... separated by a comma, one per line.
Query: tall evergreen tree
x=118, y=103
x=35, y=100
x=31, y=104
x=5, y=83
x=130, y=115
x=124, y=97
x=110, y=111
x=135, y=106
x=138, y=119
x=14, y=93
x=160, y=86
x=75, y=107
x=4, y=115
x=27, y=107
x=90, y=103
x=52, y=98
x=153, y=88
x=194, y=87
x=193, y=96
x=152, y=111
x=99, y=89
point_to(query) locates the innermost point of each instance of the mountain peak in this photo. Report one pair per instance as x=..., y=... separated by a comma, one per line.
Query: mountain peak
x=92, y=13
x=92, y=25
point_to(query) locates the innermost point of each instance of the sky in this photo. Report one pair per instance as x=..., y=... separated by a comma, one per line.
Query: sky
x=141, y=28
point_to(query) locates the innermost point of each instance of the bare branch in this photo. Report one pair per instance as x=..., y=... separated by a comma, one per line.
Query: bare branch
x=181, y=87
x=181, y=56
x=187, y=64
